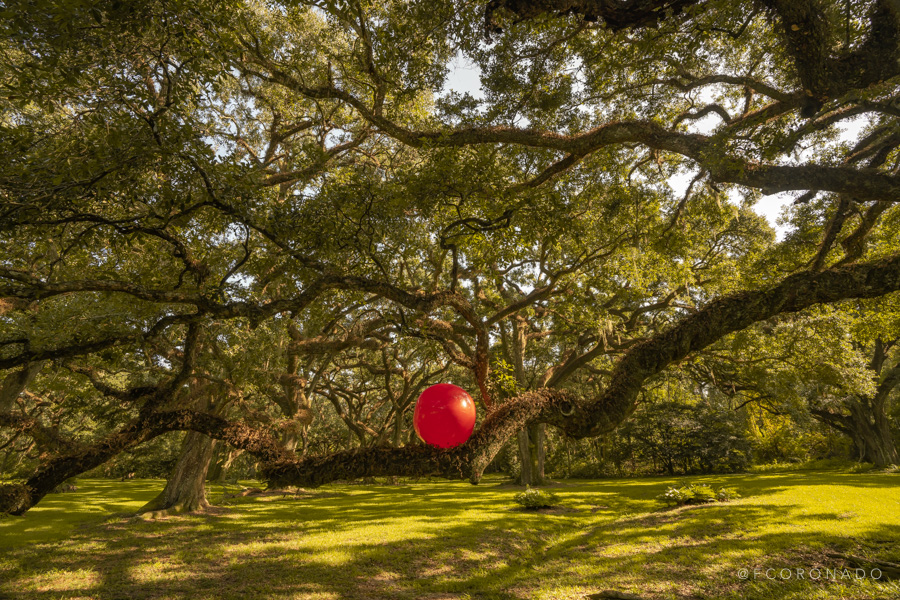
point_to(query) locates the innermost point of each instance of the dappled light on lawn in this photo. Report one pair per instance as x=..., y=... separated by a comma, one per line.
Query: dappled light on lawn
x=417, y=540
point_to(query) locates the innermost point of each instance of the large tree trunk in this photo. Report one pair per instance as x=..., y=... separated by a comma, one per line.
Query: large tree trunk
x=295, y=402
x=578, y=417
x=868, y=424
x=525, y=475
x=295, y=406
x=869, y=429
x=531, y=453
x=10, y=388
x=185, y=489
x=531, y=438
x=223, y=458
x=15, y=383
x=876, y=449
x=398, y=427
x=871, y=433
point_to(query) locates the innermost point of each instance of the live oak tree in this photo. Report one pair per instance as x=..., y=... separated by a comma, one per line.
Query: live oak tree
x=838, y=365
x=864, y=412
x=172, y=166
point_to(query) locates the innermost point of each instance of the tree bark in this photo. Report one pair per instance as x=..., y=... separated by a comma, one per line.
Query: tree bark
x=616, y=15
x=223, y=458
x=10, y=388
x=294, y=402
x=15, y=383
x=873, y=438
x=185, y=489
x=869, y=428
x=16, y=499
x=526, y=477
x=531, y=437
x=532, y=453
x=398, y=427
x=867, y=423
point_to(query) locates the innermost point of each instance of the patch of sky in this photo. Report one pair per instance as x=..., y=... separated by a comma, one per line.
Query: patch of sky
x=707, y=124
x=307, y=191
x=771, y=206
x=463, y=77
x=335, y=137
x=774, y=207
x=238, y=281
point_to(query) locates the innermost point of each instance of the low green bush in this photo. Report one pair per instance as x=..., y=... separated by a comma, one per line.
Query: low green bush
x=533, y=498
x=696, y=493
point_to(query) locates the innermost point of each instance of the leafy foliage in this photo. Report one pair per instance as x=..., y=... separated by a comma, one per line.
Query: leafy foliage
x=273, y=224
x=533, y=498
x=685, y=438
x=697, y=493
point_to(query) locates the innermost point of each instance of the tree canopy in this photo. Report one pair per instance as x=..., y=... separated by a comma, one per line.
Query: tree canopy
x=254, y=203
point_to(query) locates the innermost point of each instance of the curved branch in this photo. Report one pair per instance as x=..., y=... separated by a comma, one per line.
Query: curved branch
x=578, y=417
x=604, y=413
x=16, y=499
x=808, y=37
x=864, y=184
x=582, y=418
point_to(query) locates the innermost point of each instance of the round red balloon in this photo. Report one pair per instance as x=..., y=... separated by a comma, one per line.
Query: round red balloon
x=444, y=415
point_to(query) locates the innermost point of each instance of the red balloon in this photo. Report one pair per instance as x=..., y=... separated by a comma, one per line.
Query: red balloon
x=444, y=415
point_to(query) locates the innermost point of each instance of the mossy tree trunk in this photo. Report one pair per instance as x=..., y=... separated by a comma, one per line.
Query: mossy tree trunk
x=294, y=400
x=185, y=489
x=531, y=438
x=11, y=387
x=532, y=454
x=576, y=416
x=223, y=459
x=867, y=423
x=873, y=437
x=15, y=383
x=869, y=428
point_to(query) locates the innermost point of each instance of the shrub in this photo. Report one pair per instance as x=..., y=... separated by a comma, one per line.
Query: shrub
x=695, y=493
x=533, y=499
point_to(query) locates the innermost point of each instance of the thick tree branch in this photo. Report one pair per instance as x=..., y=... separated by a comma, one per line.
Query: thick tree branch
x=590, y=417
x=577, y=417
x=16, y=499
x=810, y=40
x=864, y=184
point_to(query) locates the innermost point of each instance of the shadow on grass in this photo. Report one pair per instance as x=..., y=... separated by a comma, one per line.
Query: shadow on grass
x=450, y=540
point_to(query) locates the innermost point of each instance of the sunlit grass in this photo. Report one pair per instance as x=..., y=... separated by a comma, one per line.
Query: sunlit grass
x=444, y=540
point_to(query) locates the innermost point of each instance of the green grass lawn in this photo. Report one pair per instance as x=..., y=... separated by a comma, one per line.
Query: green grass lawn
x=447, y=540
